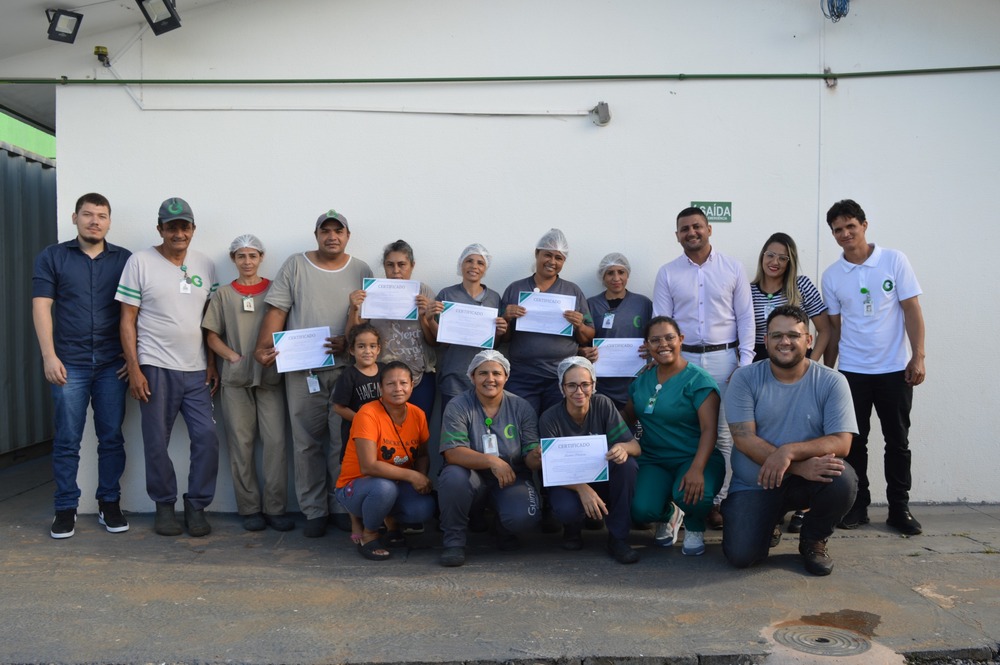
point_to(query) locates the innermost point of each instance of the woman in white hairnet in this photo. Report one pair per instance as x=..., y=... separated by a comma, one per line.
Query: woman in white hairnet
x=454, y=359
x=617, y=313
x=584, y=412
x=535, y=356
x=253, y=396
x=489, y=440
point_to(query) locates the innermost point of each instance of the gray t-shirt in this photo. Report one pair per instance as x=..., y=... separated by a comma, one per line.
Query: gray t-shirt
x=602, y=418
x=538, y=354
x=816, y=405
x=313, y=296
x=627, y=319
x=238, y=328
x=168, y=329
x=454, y=359
x=463, y=425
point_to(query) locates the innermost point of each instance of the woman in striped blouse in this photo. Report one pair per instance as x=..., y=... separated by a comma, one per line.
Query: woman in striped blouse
x=778, y=282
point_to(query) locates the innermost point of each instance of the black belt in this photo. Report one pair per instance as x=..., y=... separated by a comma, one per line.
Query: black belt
x=708, y=348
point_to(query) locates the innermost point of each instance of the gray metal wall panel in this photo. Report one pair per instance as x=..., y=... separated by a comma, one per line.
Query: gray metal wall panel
x=28, y=224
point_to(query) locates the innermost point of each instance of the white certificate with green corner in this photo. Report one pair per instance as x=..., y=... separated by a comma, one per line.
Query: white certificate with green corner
x=390, y=299
x=571, y=460
x=467, y=325
x=545, y=313
x=301, y=349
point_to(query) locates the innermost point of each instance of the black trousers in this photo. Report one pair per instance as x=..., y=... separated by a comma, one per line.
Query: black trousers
x=892, y=399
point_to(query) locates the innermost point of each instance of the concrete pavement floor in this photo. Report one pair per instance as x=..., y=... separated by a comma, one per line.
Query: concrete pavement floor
x=268, y=597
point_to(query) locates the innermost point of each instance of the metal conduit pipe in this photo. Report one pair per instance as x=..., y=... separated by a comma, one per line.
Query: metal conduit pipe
x=511, y=79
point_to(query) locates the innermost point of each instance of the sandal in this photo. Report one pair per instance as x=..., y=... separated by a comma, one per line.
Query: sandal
x=356, y=538
x=373, y=550
x=394, y=539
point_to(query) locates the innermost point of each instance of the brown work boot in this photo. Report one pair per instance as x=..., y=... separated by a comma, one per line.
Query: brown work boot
x=817, y=559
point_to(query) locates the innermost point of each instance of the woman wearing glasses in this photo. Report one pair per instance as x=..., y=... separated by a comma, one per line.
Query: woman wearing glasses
x=583, y=412
x=778, y=282
x=678, y=405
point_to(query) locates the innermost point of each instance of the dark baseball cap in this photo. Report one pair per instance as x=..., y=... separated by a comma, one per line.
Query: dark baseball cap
x=335, y=216
x=174, y=208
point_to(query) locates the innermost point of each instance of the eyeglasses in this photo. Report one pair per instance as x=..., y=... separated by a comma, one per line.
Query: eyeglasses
x=770, y=256
x=669, y=339
x=585, y=387
x=778, y=336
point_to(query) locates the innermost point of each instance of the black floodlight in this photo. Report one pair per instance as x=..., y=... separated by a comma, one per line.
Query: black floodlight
x=63, y=25
x=161, y=15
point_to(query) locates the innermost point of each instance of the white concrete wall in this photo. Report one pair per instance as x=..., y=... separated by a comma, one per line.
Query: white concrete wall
x=918, y=152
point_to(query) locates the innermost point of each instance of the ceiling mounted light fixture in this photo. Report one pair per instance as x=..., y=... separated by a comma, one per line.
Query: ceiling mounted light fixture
x=161, y=15
x=63, y=25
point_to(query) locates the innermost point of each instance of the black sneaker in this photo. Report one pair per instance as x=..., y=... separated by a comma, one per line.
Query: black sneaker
x=109, y=513
x=452, y=557
x=315, y=527
x=795, y=524
x=254, y=522
x=621, y=551
x=280, y=522
x=64, y=524
x=572, y=540
x=904, y=522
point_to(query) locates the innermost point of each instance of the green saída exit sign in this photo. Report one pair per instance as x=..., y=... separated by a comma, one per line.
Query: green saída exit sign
x=715, y=211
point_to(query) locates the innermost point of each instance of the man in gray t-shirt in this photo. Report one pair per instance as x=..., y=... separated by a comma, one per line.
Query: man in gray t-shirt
x=313, y=289
x=792, y=421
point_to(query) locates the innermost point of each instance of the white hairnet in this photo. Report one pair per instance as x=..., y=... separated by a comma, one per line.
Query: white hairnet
x=474, y=248
x=566, y=364
x=246, y=240
x=555, y=241
x=613, y=259
x=487, y=355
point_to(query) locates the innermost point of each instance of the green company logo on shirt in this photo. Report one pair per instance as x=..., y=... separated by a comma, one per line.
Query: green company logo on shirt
x=510, y=431
x=637, y=322
x=196, y=280
x=887, y=285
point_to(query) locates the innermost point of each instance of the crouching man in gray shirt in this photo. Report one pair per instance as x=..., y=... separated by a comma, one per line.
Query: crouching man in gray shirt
x=792, y=420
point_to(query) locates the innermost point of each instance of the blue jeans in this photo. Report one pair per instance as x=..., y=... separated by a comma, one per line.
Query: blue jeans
x=88, y=385
x=750, y=515
x=373, y=499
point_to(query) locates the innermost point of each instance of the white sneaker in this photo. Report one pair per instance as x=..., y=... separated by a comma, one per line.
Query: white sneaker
x=666, y=532
x=694, y=543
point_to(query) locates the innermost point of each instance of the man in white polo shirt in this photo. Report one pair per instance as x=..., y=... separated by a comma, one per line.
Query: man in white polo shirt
x=708, y=294
x=872, y=294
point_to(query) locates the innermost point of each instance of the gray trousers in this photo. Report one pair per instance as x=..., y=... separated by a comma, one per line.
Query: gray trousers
x=459, y=489
x=247, y=412
x=315, y=442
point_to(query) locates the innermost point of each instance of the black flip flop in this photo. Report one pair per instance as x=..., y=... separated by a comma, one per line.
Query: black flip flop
x=370, y=549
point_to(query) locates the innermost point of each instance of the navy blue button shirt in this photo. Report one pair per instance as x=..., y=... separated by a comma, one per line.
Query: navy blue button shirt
x=85, y=312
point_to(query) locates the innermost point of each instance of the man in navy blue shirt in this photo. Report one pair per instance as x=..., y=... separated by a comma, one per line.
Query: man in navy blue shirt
x=76, y=321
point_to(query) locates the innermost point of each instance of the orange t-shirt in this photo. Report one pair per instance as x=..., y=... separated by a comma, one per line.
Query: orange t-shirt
x=395, y=444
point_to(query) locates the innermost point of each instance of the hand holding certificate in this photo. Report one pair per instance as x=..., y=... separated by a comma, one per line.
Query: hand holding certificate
x=302, y=349
x=545, y=313
x=467, y=325
x=619, y=356
x=572, y=460
x=390, y=299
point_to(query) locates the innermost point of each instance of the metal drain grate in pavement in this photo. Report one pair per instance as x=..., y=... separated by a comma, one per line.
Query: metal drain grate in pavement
x=822, y=640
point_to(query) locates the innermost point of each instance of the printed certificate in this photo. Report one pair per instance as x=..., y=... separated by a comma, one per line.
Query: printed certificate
x=390, y=299
x=570, y=460
x=302, y=349
x=619, y=356
x=467, y=325
x=545, y=313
